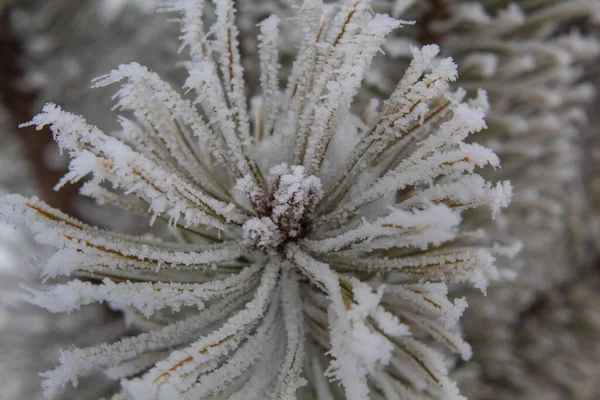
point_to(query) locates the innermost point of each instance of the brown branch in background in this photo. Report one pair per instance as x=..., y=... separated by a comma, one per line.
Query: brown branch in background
x=19, y=103
x=437, y=11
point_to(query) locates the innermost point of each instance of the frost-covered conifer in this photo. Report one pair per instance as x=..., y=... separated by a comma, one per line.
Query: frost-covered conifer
x=532, y=58
x=315, y=246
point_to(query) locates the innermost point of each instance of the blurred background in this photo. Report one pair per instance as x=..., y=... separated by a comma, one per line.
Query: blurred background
x=536, y=337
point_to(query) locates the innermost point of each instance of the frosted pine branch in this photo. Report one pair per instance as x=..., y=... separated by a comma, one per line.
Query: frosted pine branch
x=316, y=252
x=532, y=58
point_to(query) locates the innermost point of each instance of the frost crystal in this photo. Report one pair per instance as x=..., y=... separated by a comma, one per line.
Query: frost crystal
x=317, y=246
x=287, y=209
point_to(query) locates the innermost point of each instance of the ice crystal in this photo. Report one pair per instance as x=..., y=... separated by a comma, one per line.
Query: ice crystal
x=317, y=247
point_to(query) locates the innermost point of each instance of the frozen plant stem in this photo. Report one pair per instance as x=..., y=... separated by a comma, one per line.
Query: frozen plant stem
x=299, y=254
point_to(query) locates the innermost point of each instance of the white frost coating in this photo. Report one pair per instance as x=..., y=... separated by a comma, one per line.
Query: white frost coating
x=251, y=350
x=419, y=228
x=295, y=196
x=135, y=366
x=541, y=57
x=334, y=241
x=469, y=191
x=456, y=265
x=357, y=348
x=420, y=98
x=417, y=170
x=165, y=113
x=422, y=65
x=292, y=200
x=123, y=167
x=343, y=86
x=75, y=362
x=193, y=35
x=146, y=297
x=84, y=247
x=389, y=323
x=269, y=68
x=168, y=374
x=262, y=231
x=290, y=378
x=346, y=367
x=227, y=46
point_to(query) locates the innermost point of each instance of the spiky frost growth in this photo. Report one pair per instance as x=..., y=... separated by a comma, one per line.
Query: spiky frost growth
x=317, y=246
x=31, y=337
x=531, y=58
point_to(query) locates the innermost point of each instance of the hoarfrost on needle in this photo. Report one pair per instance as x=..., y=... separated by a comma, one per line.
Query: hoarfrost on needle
x=296, y=254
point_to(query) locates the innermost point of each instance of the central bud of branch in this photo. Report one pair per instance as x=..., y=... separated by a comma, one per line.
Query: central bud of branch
x=284, y=213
